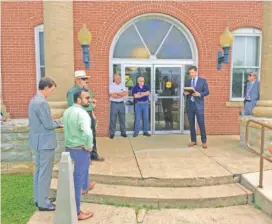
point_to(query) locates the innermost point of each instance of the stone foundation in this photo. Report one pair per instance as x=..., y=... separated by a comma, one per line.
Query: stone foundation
x=14, y=145
x=255, y=132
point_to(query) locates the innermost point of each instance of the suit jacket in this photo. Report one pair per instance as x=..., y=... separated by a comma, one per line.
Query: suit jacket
x=254, y=97
x=42, y=134
x=202, y=88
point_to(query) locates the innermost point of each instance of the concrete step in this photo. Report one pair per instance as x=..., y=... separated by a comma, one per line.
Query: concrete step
x=164, y=197
x=160, y=182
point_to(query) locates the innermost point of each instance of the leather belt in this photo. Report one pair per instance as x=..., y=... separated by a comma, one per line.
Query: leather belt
x=79, y=148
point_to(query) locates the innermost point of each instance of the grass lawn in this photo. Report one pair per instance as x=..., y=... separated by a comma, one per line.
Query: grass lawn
x=16, y=198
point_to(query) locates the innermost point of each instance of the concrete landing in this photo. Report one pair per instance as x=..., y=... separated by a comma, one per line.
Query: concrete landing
x=165, y=160
x=104, y=214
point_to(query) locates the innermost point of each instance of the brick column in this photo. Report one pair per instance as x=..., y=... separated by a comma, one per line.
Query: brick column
x=264, y=106
x=59, y=51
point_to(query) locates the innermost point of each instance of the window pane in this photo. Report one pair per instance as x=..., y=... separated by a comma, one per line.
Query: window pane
x=238, y=51
x=130, y=45
x=132, y=73
x=116, y=70
x=239, y=81
x=41, y=45
x=175, y=46
x=252, y=57
x=153, y=31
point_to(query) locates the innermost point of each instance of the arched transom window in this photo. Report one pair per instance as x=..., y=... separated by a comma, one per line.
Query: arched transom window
x=152, y=37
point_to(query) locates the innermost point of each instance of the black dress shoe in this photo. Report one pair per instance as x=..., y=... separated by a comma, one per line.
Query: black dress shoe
x=50, y=199
x=147, y=134
x=111, y=136
x=50, y=208
x=135, y=134
x=124, y=135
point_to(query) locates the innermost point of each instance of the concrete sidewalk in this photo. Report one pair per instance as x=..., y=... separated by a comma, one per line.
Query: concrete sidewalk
x=104, y=214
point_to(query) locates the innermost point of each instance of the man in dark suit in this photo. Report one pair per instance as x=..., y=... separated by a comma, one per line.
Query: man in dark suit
x=195, y=105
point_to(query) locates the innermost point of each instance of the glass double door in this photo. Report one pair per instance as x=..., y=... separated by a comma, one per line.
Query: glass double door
x=166, y=101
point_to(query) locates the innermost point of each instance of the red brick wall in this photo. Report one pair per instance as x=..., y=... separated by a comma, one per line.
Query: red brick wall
x=206, y=21
x=18, y=54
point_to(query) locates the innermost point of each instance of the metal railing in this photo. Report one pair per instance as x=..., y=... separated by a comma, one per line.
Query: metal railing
x=261, y=153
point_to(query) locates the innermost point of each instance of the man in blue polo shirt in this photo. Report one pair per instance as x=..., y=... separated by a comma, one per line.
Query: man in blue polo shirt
x=141, y=94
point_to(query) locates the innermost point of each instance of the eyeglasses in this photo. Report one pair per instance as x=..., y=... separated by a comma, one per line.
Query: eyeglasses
x=84, y=79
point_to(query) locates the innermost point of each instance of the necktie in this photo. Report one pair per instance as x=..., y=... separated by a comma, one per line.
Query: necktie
x=193, y=85
x=248, y=91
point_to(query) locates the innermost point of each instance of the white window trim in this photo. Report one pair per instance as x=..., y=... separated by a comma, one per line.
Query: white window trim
x=245, y=32
x=37, y=30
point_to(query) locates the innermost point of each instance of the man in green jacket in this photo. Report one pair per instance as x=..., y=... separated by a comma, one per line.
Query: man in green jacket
x=81, y=80
x=79, y=142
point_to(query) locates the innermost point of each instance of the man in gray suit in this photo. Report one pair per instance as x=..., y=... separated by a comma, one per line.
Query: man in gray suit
x=252, y=94
x=42, y=139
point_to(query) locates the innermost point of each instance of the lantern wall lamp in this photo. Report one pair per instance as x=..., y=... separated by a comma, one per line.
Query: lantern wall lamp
x=85, y=37
x=226, y=40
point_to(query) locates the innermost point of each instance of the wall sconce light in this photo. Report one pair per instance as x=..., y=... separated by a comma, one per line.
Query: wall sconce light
x=226, y=40
x=85, y=37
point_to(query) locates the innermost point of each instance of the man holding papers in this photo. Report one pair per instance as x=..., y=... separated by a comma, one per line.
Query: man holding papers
x=195, y=90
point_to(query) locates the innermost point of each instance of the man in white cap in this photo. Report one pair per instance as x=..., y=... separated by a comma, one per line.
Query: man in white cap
x=81, y=81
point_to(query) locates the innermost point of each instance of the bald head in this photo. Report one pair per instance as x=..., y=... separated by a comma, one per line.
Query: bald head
x=117, y=78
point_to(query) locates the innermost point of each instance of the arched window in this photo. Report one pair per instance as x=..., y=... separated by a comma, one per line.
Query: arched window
x=246, y=57
x=153, y=37
x=39, y=52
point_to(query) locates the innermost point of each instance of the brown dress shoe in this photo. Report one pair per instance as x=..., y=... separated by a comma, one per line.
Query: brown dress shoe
x=204, y=145
x=92, y=184
x=191, y=144
x=84, y=215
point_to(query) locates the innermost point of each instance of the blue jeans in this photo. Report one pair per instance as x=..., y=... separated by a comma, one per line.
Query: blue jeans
x=141, y=109
x=81, y=160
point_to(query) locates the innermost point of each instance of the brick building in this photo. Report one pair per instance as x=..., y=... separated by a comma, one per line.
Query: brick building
x=154, y=39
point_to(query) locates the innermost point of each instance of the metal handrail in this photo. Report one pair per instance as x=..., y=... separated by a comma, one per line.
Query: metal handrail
x=261, y=154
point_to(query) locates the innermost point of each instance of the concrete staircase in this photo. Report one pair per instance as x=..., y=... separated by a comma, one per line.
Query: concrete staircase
x=211, y=192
